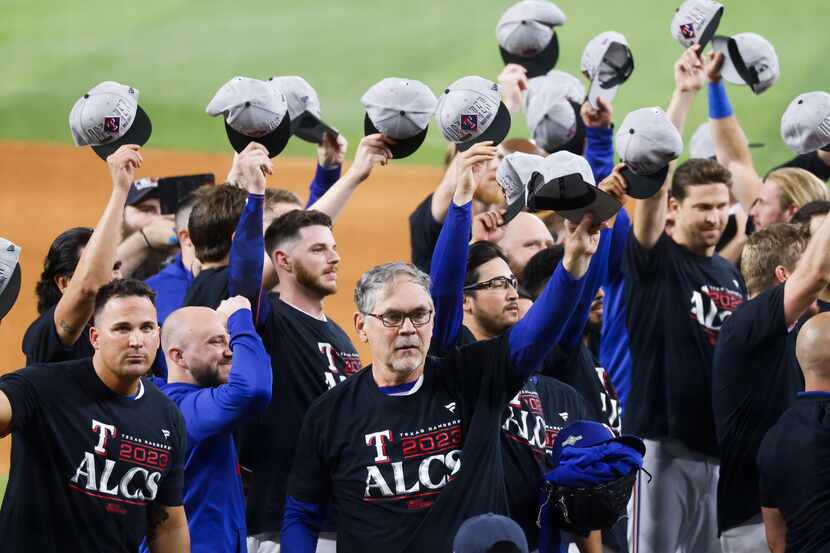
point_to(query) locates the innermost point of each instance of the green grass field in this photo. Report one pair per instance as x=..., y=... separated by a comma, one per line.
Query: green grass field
x=178, y=53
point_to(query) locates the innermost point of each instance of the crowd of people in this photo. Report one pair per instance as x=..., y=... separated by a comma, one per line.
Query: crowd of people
x=582, y=355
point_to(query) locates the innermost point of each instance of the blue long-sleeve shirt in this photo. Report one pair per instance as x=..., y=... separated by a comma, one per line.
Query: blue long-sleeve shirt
x=614, y=352
x=322, y=181
x=213, y=498
x=170, y=285
x=246, y=259
x=599, y=151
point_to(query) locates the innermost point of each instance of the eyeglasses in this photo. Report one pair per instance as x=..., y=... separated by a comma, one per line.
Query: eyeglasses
x=396, y=319
x=497, y=283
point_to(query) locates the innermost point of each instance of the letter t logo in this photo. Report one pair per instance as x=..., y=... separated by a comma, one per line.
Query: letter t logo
x=104, y=432
x=377, y=439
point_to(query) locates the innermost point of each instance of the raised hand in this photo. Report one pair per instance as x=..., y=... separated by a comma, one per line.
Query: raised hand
x=615, y=183
x=714, y=65
x=581, y=242
x=488, y=226
x=466, y=183
x=332, y=152
x=251, y=166
x=373, y=150
x=122, y=165
x=161, y=233
x=231, y=305
x=689, y=74
x=599, y=117
x=513, y=81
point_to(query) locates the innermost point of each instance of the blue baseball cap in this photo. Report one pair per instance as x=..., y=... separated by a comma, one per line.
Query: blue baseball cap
x=588, y=434
x=490, y=533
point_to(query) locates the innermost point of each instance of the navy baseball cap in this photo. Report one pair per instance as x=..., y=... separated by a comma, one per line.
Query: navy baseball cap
x=9, y=275
x=142, y=189
x=589, y=434
x=490, y=533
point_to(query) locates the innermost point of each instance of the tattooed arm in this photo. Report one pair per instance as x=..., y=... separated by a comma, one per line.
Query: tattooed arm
x=167, y=530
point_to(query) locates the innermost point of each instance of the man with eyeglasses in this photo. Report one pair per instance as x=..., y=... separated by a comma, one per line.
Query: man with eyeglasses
x=410, y=447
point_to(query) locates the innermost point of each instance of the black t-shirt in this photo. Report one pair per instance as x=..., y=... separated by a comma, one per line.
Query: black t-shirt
x=533, y=418
x=755, y=377
x=41, y=343
x=308, y=357
x=208, y=289
x=809, y=162
x=579, y=369
x=393, y=464
x=794, y=464
x=676, y=303
x=86, y=463
x=423, y=234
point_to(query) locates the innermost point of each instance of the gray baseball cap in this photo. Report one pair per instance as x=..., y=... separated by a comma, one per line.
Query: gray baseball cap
x=695, y=22
x=702, y=146
x=647, y=142
x=564, y=182
x=805, y=126
x=254, y=111
x=303, y=108
x=608, y=62
x=749, y=59
x=527, y=35
x=513, y=176
x=470, y=110
x=107, y=117
x=9, y=275
x=481, y=533
x=552, y=117
x=400, y=109
x=574, y=89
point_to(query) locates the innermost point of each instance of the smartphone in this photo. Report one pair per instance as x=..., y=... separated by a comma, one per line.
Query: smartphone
x=174, y=190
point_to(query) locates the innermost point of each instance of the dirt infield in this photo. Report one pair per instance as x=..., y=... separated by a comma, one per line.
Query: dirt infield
x=49, y=188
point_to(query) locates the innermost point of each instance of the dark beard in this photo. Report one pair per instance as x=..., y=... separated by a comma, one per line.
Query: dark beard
x=308, y=280
x=208, y=378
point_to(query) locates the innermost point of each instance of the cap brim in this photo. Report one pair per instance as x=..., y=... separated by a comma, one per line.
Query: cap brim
x=595, y=91
x=603, y=208
x=402, y=147
x=548, y=196
x=734, y=69
x=142, y=195
x=710, y=30
x=496, y=132
x=9, y=295
x=641, y=187
x=274, y=141
x=514, y=209
x=539, y=64
x=138, y=133
x=310, y=128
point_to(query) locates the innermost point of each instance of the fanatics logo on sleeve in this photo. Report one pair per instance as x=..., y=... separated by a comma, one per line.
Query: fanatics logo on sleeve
x=571, y=440
x=165, y=432
x=112, y=124
x=450, y=407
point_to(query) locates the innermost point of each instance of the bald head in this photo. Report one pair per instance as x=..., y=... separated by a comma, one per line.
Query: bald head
x=813, y=348
x=524, y=236
x=180, y=326
x=196, y=347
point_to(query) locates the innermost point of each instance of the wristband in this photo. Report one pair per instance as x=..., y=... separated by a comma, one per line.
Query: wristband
x=719, y=106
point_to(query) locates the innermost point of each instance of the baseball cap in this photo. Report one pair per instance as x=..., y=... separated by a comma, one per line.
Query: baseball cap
x=695, y=22
x=647, y=142
x=513, y=176
x=400, y=109
x=563, y=182
x=749, y=59
x=608, y=62
x=9, y=275
x=489, y=533
x=254, y=111
x=303, y=108
x=142, y=189
x=589, y=434
x=107, y=117
x=527, y=35
x=805, y=125
x=552, y=118
x=470, y=111
x=574, y=89
x=702, y=146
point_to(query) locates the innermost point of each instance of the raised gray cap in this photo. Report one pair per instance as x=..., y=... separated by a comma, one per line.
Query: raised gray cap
x=399, y=108
x=805, y=126
x=526, y=28
x=749, y=59
x=250, y=106
x=468, y=109
x=551, y=117
x=608, y=62
x=513, y=176
x=299, y=95
x=695, y=21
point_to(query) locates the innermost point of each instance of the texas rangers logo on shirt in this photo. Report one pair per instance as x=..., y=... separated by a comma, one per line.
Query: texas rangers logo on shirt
x=469, y=122
x=112, y=124
x=687, y=30
x=710, y=307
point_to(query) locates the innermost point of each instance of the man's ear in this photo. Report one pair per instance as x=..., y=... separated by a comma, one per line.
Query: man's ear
x=781, y=274
x=93, y=337
x=674, y=205
x=360, y=327
x=282, y=261
x=468, y=303
x=184, y=238
x=176, y=355
x=62, y=282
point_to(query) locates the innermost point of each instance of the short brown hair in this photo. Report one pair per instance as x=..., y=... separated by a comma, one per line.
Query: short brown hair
x=798, y=187
x=696, y=172
x=274, y=196
x=288, y=226
x=213, y=221
x=122, y=288
x=778, y=244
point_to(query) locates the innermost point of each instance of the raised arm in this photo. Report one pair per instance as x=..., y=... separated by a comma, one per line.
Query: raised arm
x=811, y=275
x=443, y=195
x=217, y=410
x=689, y=76
x=532, y=338
x=731, y=145
x=330, y=156
x=158, y=236
x=167, y=530
x=449, y=259
x=599, y=144
x=373, y=150
x=96, y=263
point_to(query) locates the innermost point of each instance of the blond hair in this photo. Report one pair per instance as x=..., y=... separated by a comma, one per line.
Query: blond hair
x=798, y=187
x=778, y=244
